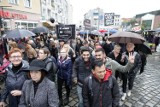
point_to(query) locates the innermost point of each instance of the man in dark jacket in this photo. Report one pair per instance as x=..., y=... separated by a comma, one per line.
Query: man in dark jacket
x=100, y=89
x=131, y=74
x=82, y=69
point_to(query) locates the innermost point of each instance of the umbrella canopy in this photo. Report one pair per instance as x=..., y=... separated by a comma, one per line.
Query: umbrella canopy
x=41, y=29
x=82, y=32
x=126, y=37
x=95, y=32
x=102, y=30
x=19, y=33
x=143, y=48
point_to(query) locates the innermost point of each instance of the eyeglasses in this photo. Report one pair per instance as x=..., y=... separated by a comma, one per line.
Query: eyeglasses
x=14, y=57
x=40, y=53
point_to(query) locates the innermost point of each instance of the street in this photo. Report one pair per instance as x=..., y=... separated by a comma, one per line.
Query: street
x=146, y=92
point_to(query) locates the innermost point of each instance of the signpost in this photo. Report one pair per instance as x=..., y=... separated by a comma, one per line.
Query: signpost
x=65, y=32
x=87, y=24
x=108, y=19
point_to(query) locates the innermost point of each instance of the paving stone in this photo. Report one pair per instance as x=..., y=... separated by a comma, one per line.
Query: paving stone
x=128, y=104
x=138, y=104
x=150, y=104
x=143, y=100
x=72, y=103
x=157, y=106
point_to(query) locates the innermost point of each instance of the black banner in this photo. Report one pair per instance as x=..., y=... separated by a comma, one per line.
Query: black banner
x=65, y=31
x=108, y=19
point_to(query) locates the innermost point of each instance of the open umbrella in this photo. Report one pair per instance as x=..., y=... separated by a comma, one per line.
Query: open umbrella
x=96, y=33
x=41, y=29
x=143, y=48
x=18, y=33
x=102, y=30
x=126, y=37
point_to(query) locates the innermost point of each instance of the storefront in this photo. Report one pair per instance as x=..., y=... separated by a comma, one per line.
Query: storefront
x=17, y=19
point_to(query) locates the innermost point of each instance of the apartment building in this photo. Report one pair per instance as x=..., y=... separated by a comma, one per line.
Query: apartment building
x=24, y=14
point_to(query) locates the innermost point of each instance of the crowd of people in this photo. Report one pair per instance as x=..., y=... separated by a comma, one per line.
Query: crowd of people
x=35, y=70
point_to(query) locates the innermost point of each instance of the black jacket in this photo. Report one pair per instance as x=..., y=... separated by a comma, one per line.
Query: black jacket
x=51, y=68
x=81, y=69
x=104, y=94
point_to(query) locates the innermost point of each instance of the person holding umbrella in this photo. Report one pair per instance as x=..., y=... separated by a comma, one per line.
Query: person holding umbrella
x=131, y=74
x=39, y=91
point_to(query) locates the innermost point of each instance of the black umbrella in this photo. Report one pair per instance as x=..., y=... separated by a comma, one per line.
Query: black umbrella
x=143, y=48
x=41, y=29
x=18, y=33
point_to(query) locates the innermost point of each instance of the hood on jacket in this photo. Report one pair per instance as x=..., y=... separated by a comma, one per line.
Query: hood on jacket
x=107, y=75
x=25, y=65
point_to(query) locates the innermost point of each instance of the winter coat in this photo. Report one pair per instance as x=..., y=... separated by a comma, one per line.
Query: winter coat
x=65, y=70
x=81, y=69
x=101, y=94
x=14, y=81
x=46, y=95
x=51, y=68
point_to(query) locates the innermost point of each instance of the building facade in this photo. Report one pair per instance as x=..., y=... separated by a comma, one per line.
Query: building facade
x=101, y=20
x=150, y=20
x=20, y=14
x=96, y=17
x=60, y=10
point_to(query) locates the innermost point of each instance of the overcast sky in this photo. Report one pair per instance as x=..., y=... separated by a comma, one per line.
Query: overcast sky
x=125, y=8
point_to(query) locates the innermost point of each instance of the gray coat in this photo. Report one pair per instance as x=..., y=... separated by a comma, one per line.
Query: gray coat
x=14, y=81
x=46, y=95
x=115, y=66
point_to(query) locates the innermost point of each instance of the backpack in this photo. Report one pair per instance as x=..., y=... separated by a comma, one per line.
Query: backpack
x=90, y=87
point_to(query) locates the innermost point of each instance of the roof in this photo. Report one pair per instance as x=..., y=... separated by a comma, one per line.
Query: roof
x=156, y=12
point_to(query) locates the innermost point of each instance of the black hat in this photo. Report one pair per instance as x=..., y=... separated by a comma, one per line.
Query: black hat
x=84, y=48
x=62, y=40
x=37, y=65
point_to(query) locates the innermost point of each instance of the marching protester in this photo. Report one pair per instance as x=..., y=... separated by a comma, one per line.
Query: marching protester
x=14, y=78
x=100, y=89
x=39, y=91
x=82, y=69
x=117, y=56
x=44, y=55
x=64, y=75
x=131, y=74
x=112, y=64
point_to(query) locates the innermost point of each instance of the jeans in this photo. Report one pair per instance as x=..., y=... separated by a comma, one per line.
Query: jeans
x=80, y=98
x=60, y=84
x=130, y=78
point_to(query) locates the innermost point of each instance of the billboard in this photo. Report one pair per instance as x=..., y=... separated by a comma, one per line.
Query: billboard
x=87, y=24
x=65, y=31
x=108, y=19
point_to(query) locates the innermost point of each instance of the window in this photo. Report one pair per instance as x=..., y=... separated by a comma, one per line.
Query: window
x=27, y=3
x=13, y=1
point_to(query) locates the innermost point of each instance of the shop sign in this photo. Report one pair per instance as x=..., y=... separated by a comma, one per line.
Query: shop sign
x=65, y=31
x=12, y=15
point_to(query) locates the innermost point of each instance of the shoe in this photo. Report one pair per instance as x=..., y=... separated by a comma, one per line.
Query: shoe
x=66, y=101
x=123, y=97
x=129, y=93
